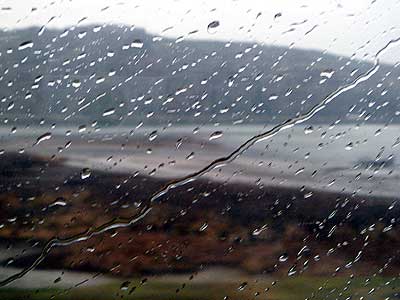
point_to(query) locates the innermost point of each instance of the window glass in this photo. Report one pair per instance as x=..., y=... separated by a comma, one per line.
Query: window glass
x=199, y=150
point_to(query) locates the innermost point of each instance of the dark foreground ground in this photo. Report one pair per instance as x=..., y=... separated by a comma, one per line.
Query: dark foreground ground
x=305, y=239
x=298, y=288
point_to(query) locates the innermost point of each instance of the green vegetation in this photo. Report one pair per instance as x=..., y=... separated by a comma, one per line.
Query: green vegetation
x=288, y=288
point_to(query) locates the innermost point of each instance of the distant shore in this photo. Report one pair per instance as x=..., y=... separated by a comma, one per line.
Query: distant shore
x=249, y=227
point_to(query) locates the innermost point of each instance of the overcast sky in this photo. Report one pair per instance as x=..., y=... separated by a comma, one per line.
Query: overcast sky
x=334, y=25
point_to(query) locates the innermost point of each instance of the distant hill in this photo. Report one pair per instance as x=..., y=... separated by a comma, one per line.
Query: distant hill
x=123, y=75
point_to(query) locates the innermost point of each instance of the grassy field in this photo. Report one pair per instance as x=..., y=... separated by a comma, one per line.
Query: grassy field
x=296, y=288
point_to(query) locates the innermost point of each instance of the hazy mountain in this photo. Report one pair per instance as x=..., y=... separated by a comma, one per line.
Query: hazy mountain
x=117, y=74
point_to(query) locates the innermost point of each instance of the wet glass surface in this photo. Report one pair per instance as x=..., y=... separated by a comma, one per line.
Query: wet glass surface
x=199, y=150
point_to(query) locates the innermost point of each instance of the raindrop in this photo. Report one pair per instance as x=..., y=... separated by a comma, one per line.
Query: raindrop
x=25, y=45
x=258, y=231
x=153, y=135
x=108, y=112
x=82, y=34
x=81, y=128
x=137, y=44
x=292, y=271
x=216, y=135
x=242, y=286
x=308, y=195
x=44, y=137
x=349, y=146
x=283, y=257
x=100, y=80
x=190, y=156
x=76, y=83
x=203, y=227
x=58, y=202
x=58, y=279
x=212, y=27
x=41, y=30
x=273, y=97
x=308, y=130
x=125, y=285
x=10, y=106
x=327, y=73
x=86, y=172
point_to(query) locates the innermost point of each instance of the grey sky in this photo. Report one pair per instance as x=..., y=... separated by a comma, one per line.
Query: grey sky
x=337, y=26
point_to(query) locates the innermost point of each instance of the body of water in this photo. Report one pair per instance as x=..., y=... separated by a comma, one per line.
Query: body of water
x=342, y=158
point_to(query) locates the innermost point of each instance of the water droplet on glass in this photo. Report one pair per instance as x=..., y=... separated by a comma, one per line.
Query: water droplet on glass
x=308, y=130
x=25, y=45
x=108, y=112
x=212, y=27
x=308, y=195
x=82, y=34
x=41, y=30
x=81, y=128
x=44, y=137
x=76, y=83
x=153, y=135
x=349, y=146
x=242, y=286
x=203, y=227
x=216, y=135
x=190, y=156
x=58, y=202
x=10, y=106
x=327, y=73
x=292, y=271
x=125, y=285
x=137, y=44
x=86, y=172
x=283, y=257
x=100, y=80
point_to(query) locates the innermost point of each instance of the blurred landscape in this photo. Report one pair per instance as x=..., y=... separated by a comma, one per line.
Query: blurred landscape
x=121, y=75
x=277, y=233
x=203, y=223
x=96, y=120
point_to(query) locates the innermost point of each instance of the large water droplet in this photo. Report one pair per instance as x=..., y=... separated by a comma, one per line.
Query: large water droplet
x=125, y=285
x=137, y=44
x=349, y=146
x=308, y=130
x=108, y=112
x=59, y=202
x=216, y=135
x=203, y=227
x=44, y=137
x=25, y=45
x=242, y=286
x=86, y=172
x=284, y=257
x=153, y=136
x=76, y=83
x=327, y=73
x=212, y=27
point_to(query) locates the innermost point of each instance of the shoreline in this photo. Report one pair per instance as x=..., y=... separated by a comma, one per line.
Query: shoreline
x=196, y=224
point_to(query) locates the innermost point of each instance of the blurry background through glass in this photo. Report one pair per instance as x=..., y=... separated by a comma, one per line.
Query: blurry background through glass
x=199, y=150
